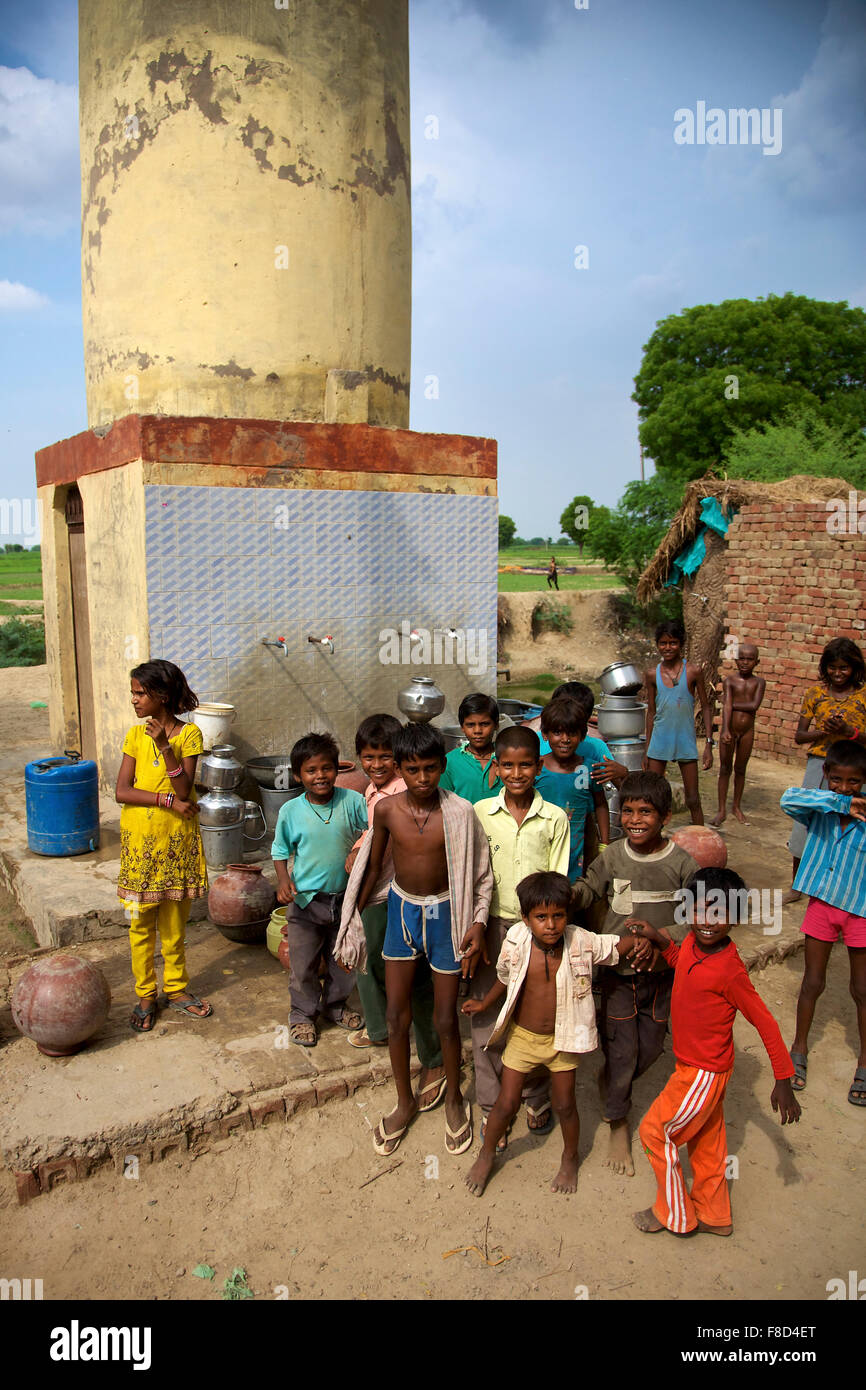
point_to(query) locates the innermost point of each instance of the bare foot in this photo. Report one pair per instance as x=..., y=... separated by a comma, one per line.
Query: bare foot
x=476, y=1178
x=720, y=818
x=619, y=1151
x=716, y=1230
x=391, y=1128
x=647, y=1222
x=791, y=895
x=739, y=815
x=566, y=1178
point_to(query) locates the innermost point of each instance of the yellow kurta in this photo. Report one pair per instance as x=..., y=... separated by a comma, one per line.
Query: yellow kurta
x=161, y=853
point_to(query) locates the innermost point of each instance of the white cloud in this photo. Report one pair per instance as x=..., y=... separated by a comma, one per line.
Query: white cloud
x=39, y=171
x=16, y=298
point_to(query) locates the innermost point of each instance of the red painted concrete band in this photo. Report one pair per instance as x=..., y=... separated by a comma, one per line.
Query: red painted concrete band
x=264, y=444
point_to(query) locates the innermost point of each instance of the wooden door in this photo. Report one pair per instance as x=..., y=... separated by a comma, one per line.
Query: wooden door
x=81, y=623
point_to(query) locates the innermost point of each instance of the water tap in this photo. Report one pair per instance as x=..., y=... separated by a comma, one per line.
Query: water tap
x=280, y=644
x=326, y=641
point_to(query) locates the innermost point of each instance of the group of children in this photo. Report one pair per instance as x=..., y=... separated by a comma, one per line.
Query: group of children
x=471, y=868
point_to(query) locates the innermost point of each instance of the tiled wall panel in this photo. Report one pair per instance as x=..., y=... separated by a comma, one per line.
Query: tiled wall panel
x=229, y=566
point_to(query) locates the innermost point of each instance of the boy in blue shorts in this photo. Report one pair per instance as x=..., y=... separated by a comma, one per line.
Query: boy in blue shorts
x=437, y=908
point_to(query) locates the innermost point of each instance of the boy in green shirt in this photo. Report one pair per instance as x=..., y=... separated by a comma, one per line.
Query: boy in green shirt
x=469, y=770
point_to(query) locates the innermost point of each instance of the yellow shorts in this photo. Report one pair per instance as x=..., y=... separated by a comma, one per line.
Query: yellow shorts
x=524, y=1051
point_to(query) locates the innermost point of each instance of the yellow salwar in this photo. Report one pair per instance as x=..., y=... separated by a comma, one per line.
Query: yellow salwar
x=162, y=864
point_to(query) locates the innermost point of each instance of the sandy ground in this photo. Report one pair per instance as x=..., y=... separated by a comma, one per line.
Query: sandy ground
x=291, y=1207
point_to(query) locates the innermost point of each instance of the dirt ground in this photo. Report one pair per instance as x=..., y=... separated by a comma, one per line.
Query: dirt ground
x=290, y=1205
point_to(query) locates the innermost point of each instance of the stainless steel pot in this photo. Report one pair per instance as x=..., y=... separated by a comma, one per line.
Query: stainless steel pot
x=254, y=817
x=620, y=718
x=221, y=821
x=220, y=769
x=620, y=678
x=273, y=771
x=273, y=800
x=421, y=700
x=630, y=752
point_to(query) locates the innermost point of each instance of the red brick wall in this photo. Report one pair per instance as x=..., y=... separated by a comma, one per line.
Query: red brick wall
x=790, y=587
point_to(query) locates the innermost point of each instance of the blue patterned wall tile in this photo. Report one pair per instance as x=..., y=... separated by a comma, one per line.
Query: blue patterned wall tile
x=172, y=572
x=242, y=605
x=160, y=540
x=155, y=641
x=232, y=640
x=161, y=608
x=191, y=643
x=247, y=541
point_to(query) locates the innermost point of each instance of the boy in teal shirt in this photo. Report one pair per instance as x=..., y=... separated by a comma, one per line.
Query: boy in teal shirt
x=318, y=828
x=469, y=770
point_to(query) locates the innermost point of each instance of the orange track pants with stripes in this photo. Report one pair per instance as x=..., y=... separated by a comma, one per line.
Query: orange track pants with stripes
x=689, y=1111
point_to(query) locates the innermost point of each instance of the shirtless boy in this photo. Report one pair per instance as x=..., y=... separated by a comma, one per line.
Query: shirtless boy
x=742, y=695
x=437, y=908
x=548, y=1018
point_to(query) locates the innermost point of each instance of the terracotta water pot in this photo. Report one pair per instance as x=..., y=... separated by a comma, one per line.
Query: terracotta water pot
x=240, y=903
x=350, y=775
x=704, y=844
x=60, y=1002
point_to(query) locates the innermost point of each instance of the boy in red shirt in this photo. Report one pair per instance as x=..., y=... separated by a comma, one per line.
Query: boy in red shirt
x=710, y=986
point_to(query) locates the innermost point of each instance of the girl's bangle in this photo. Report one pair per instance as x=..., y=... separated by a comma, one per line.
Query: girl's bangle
x=177, y=772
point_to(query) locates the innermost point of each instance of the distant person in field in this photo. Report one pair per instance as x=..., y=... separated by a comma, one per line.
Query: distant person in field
x=742, y=695
x=552, y=574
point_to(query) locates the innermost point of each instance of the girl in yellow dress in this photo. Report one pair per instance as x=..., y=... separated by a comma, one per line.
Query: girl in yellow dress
x=162, y=864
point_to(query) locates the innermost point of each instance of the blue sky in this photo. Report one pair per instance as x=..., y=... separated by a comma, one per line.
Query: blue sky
x=555, y=130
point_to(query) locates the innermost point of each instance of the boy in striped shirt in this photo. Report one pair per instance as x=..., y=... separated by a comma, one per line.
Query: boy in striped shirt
x=832, y=871
x=710, y=987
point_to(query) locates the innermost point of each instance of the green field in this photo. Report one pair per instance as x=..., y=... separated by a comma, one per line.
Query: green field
x=21, y=575
x=528, y=583
x=540, y=555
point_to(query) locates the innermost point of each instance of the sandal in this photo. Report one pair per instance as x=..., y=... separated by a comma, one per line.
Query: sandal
x=304, y=1034
x=142, y=1020
x=361, y=1038
x=546, y=1124
x=384, y=1143
x=503, y=1141
x=857, y=1089
x=800, y=1060
x=437, y=1090
x=462, y=1137
x=189, y=1006
x=348, y=1019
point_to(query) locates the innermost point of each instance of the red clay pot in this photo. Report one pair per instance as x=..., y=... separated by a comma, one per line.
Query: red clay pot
x=704, y=845
x=60, y=1002
x=240, y=903
x=351, y=776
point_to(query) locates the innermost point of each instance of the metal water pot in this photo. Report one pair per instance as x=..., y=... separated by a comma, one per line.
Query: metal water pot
x=620, y=678
x=621, y=716
x=220, y=769
x=421, y=700
x=221, y=821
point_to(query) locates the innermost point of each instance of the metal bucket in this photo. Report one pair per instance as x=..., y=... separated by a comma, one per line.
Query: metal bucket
x=620, y=678
x=272, y=801
x=621, y=717
x=630, y=752
x=223, y=844
x=254, y=817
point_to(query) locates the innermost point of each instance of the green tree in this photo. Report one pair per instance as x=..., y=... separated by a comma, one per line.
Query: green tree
x=627, y=536
x=575, y=520
x=798, y=443
x=717, y=368
x=13, y=549
x=507, y=529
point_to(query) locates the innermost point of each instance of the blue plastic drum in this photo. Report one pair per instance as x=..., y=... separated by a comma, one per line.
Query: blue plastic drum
x=62, y=800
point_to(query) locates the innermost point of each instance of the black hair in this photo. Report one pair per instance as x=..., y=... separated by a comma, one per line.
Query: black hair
x=377, y=731
x=575, y=690
x=478, y=704
x=846, y=753
x=647, y=786
x=721, y=886
x=536, y=890
x=563, y=716
x=418, y=741
x=166, y=682
x=517, y=736
x=671, y=627
x=843, y=649
x=313, y=746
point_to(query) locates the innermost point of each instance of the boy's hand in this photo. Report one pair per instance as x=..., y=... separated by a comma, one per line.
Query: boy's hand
x=858, y=807
x=726, y=738
x=608, y=771
x=641, y=928
x=286, y=892
x=472, y=1006
x=640, y=953
x=782, y=1098
x=350, y=860
x=707, y=759
x=474, y=948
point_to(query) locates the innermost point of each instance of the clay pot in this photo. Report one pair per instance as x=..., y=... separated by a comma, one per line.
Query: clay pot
x=704, y=844
x=240, y=903
x=350, y=775
x=60, y=1002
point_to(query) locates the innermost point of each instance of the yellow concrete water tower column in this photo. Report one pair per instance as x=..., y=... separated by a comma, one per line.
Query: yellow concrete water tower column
x=246, y=235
